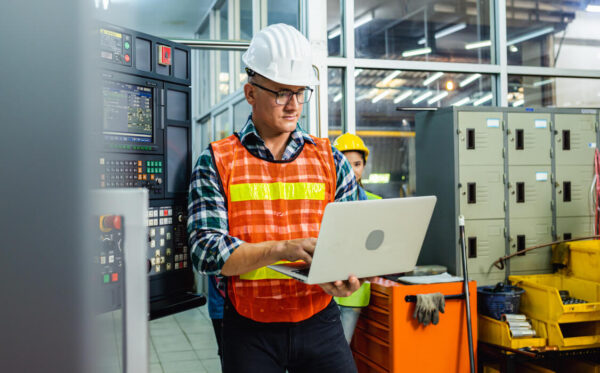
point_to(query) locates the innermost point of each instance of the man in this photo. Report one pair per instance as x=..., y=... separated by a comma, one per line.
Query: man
x=256, y=198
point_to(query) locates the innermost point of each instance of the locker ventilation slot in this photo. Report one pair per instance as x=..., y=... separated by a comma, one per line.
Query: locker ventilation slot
x=472, y=245
x=566, y=191
x=470, y=138
x=520, y=192
x=566, y=140
x=471, y=193
x=521, y=243
x=519, y=144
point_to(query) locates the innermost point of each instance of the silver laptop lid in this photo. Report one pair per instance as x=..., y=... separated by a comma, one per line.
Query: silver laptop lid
x=370, y=238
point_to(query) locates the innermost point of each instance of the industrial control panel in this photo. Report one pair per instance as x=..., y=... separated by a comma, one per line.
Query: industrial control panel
x=108, y=259
x=146, y=120
x=521, y=177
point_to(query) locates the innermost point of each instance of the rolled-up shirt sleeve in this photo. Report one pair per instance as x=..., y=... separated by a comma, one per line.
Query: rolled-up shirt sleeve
x=208, y=225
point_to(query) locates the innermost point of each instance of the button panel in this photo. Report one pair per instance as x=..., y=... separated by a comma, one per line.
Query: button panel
x=108, y=259
x=168, y=250
x=134, y=172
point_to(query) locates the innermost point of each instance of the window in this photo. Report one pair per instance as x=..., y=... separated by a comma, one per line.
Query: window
x=335, y=78
x=334, y=31
x=560, y=34
x=379, y=93
x=451, y=31
x=546, y=91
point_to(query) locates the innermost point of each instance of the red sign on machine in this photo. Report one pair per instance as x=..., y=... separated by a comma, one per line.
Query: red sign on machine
x=164, y=55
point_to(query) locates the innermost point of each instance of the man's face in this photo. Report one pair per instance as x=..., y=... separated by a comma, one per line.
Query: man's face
x=270, y=118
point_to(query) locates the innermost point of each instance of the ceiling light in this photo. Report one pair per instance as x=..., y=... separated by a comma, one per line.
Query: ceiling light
x=97, y=3
x=357, y=71
x=433, y=78
x=518, y=103
x=462, y=101
x=437, y=97
x=469, y=80
x=422, y=97
x=543, y=82
x=336, y=31
x=368, y=94
x=388, y=78
x=337, y=97
x=105, y=4
x=593, y=8
x=530, y=35
x=380, y=96
x=416, y=52
x=483, y=100
x=447, y=31
x=479, y=44
x=513, y=49
x=450, y=85
x=403, y=96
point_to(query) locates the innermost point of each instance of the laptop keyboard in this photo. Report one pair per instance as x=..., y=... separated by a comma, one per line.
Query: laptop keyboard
x=302, y=271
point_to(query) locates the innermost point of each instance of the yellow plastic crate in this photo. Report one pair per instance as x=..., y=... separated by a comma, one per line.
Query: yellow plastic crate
x=497, y=332
x=541, y=300
x=569, y=336
x=584, y=262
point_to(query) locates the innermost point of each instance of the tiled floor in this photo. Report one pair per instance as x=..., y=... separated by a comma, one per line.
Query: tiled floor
x=184, y=342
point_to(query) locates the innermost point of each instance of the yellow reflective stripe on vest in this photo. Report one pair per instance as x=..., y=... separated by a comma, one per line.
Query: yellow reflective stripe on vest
x=265, y=273
x=278, y=190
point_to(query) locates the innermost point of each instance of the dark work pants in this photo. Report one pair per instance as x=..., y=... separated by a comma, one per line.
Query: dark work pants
x=313, y=345
x=218, y=328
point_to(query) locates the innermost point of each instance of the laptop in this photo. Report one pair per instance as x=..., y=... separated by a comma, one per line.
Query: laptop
x=366, y=239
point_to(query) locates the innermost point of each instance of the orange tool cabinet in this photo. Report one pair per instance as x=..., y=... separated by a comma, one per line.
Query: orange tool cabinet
x=388, y=339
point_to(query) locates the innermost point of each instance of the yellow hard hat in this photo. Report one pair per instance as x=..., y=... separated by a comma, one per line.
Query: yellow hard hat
x=350, y=142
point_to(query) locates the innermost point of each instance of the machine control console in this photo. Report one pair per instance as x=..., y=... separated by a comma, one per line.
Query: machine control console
x=130, y=171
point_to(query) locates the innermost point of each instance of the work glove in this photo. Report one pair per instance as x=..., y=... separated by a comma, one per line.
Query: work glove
x=428, y=307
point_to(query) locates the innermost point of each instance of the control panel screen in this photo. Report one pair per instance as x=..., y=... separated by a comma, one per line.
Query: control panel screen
x=128, y=114
x=177, y=147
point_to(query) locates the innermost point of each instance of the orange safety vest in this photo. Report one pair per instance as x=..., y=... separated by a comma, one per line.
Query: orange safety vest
x=275, y=201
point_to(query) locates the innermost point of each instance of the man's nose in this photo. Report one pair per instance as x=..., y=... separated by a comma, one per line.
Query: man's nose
x=292, y=103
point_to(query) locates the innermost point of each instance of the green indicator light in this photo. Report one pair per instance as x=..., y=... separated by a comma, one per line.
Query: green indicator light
x=106, y=279
x=160, y=170
x=126, y=45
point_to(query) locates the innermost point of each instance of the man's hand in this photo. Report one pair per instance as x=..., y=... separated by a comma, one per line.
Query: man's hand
x=342, y=288
x=298, y=249
x=250, y=256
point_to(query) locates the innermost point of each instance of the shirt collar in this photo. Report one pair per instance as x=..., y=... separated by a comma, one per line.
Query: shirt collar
x=249, y=133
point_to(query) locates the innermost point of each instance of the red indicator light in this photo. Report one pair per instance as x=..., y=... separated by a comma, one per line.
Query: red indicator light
x=127, y=58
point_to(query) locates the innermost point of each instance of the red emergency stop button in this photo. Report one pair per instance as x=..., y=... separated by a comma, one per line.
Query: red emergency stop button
x=164, y=55
x=109, y=222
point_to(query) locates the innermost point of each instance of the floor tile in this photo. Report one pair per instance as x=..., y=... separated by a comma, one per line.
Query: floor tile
x=207, y=353
x=191, y=366
x=156, y=368
x=212, y=365
x=202, y=340
x=166, y=357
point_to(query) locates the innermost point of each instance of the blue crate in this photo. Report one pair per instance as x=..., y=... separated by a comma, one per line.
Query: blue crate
x=493, y=301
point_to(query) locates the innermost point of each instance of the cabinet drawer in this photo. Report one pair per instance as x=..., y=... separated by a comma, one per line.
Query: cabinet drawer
x=380, y=300
x=377, y=314
x=363, y=365
x=374, y=328
x=377, y=350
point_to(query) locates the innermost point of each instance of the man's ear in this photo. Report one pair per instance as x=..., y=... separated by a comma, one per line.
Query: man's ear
x=249, y=93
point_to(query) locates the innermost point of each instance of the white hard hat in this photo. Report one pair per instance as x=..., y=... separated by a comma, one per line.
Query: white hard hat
x=282, y=54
